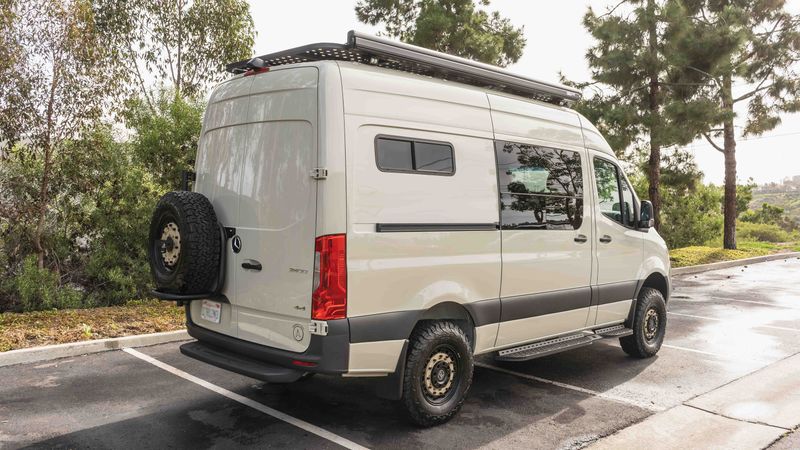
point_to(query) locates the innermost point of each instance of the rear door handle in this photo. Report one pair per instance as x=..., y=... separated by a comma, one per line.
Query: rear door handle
x=605, y=239
x=251, y=264
x=581, y=238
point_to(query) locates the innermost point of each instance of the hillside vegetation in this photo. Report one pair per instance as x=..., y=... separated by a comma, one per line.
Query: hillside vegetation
x=788, y=200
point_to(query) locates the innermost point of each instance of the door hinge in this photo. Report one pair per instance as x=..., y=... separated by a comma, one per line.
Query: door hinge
x=318, y=327
x=319, y=173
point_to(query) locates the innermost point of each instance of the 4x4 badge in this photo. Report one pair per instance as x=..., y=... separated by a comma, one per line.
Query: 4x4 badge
x=236, y=244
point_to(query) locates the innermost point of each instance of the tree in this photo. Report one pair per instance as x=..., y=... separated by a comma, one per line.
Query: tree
x=740, y=52
x=455, y=27
x=53, y=87
x=180, y=43
x=166, y=135
x=633, y=58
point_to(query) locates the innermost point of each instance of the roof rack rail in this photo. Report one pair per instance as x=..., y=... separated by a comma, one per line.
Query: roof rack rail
x=367, y=49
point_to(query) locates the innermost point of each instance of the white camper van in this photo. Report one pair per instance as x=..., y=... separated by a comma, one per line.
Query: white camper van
x=375, y=209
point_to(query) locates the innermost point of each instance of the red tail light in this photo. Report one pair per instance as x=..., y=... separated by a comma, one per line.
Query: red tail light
x=329, y=300
x=256, y=71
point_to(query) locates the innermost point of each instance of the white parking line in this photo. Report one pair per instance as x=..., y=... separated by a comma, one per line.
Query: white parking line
x=247, y=402
x=728, y=299
x=717, y=355
x=612, y=397
x=685, y=349
x=720, y=320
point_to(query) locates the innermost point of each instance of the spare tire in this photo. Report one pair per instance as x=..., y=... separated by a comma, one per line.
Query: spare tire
x=185, y=244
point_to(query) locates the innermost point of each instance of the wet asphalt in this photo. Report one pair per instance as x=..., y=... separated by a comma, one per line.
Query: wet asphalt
x=722, y=325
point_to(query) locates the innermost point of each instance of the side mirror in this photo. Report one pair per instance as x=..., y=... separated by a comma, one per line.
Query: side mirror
x=646, y=219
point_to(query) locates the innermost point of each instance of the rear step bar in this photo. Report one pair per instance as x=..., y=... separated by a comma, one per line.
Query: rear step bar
x=538, y=349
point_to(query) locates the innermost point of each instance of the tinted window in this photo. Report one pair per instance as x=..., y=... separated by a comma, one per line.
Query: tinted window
x=541, y=188
x=608, y=189
x=394, y=155
x=414, y=156
x=433, y=157
x=531, y=169
x=540, y=212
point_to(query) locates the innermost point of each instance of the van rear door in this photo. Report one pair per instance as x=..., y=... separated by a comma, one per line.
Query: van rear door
x=272, y=253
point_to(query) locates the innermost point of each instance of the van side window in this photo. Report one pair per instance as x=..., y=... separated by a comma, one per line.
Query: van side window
x=629, y=204
x=617, y=206
x=406, y=155
x=541, y=188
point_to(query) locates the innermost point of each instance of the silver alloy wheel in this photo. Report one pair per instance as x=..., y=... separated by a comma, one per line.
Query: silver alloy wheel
x=439, y=374
x=650, y=324
x=171, y=244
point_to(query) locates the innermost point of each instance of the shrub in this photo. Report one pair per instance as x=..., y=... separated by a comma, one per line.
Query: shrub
x=692, y=217
x=763, y=232
x=39, y=289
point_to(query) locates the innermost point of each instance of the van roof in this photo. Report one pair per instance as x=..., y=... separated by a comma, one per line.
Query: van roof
x=368, y=49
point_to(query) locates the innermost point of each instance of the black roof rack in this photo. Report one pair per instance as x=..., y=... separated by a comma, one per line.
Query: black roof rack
x=367, y=49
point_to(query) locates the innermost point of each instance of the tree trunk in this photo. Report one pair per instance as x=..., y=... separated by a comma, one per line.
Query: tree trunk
x=654, y=164
x=729, y=237
x=47, y=167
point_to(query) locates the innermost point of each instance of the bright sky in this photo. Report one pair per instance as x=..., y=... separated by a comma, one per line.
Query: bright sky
x=556, y=42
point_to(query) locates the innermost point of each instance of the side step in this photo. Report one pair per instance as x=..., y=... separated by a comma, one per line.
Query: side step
x=544, y=348
x=616, y=331
x=560, y=344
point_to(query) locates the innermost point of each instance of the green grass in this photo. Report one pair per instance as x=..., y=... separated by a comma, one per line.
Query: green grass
x=692, y=256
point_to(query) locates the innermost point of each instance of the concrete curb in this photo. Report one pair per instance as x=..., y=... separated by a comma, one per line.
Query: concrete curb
x=48, y=352
x=734, y=263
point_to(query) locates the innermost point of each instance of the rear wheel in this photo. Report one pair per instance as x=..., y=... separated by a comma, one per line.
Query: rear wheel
x=185, y=244
x=438, y=373
x=649, y=325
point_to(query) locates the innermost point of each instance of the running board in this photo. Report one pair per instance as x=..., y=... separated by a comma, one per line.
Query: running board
x=544, y=348
x=560, y=344
x=616, y=331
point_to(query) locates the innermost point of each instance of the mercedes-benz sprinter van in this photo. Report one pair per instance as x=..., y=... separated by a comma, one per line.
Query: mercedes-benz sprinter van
x=375, y=209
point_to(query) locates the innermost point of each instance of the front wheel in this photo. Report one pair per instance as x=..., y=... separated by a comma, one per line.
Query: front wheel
x=438, y=373
x=649, y=325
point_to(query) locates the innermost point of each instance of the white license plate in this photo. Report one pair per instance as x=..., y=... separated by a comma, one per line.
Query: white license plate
x=210, y=311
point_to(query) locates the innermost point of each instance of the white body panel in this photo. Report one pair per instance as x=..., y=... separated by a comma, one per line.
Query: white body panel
x=255, y=169
x=415, y=271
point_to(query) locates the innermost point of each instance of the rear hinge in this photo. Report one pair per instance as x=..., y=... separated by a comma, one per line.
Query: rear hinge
x=319, y=327
x=319, y=173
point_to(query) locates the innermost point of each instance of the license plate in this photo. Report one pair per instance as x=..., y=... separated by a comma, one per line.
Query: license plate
x=210, y=311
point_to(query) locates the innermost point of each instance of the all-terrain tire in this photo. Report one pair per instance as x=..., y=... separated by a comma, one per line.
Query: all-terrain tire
x=649, y=325
x=189, y=221
x=428, y=343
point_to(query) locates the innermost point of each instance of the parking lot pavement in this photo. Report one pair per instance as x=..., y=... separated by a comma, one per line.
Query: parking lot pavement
x=722, y=326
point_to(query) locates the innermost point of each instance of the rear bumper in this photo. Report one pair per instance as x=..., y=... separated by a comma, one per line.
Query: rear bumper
x=325, y=354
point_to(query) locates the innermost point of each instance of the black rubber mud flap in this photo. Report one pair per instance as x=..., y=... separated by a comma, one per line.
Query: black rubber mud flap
x=390, y=387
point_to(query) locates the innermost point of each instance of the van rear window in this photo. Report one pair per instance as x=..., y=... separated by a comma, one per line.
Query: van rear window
x=414, y=156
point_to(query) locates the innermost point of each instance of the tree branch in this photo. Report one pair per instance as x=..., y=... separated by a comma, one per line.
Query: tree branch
x=704, y=73
x=611, y=11
x=713, y=144
x=753, y=92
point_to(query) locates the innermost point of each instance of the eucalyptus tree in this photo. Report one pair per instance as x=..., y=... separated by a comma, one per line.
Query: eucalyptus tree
x=179, y=44
x=53, y=86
